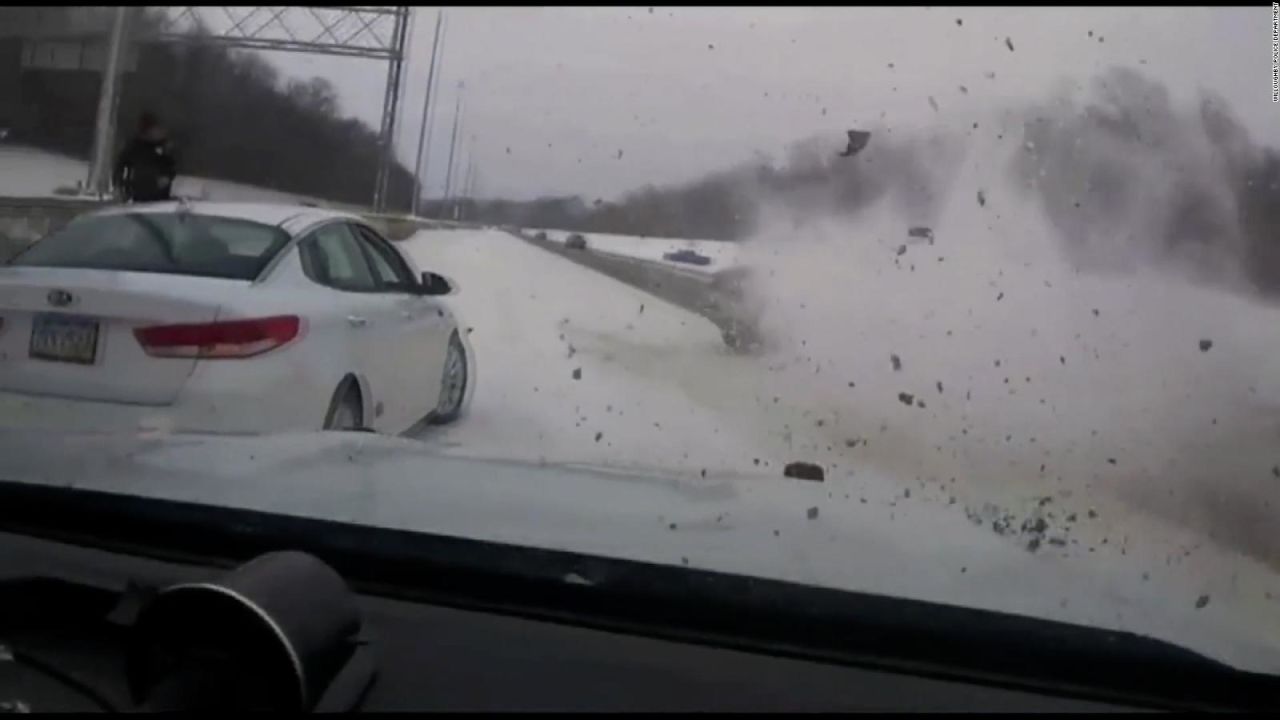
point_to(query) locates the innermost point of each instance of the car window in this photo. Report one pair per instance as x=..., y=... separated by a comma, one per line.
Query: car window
x=332, y=257
x=388, y=269
x=161, y=242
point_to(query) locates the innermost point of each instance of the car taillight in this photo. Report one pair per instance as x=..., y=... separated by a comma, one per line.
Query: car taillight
x=228, y=339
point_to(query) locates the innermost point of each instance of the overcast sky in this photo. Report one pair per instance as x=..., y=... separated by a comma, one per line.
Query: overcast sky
x=555, y=94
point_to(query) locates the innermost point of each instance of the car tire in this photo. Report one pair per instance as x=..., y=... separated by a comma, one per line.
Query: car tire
x=453, y=384
x=346, y=411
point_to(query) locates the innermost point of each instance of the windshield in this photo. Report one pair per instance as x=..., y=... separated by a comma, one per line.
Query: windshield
x=969, y=305
x=175, y=243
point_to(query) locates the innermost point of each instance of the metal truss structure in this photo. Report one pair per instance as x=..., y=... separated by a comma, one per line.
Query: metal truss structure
x=378, y=33
x=364, y=31
x=370, y=32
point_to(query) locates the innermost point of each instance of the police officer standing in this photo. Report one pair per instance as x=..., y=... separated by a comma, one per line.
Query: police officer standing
x=146, y=168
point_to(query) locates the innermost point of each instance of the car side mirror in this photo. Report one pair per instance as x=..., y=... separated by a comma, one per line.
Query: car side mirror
x=436, y=284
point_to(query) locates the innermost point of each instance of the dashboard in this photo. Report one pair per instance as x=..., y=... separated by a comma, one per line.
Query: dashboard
x=71, y=611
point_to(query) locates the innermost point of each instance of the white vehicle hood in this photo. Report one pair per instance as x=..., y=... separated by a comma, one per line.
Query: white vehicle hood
x=775, y=528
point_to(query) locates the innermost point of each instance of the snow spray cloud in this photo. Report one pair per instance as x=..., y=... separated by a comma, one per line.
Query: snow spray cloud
x=910, y=172
x=1126, y=178
x=1034, y=347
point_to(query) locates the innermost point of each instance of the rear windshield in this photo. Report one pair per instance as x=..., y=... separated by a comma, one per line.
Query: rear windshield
x=174, y=243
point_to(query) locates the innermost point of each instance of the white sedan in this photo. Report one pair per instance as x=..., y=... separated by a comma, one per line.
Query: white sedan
x=227, y=318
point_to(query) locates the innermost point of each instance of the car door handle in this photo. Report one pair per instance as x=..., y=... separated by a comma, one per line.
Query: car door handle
x=357, y=321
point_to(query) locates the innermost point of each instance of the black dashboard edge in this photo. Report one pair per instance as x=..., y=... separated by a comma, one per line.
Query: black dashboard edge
x=682, y=604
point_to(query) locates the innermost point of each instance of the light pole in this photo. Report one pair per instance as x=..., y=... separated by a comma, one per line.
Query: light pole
x=453, y=142
x=426, y=106
x=108, y=100
x=390, y=106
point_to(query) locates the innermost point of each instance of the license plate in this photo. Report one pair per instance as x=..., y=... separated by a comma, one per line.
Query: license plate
x=64, y=338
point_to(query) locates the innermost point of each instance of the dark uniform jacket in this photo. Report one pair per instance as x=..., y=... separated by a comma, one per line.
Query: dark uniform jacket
x=145, y=170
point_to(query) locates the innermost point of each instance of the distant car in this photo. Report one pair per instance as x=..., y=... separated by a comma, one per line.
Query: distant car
x=576, y=242
x=230, y=318
x=690, y=257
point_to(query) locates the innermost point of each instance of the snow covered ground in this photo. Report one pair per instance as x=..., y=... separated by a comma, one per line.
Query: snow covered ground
x=26, y=172
x=575, y=367
x=722, y=254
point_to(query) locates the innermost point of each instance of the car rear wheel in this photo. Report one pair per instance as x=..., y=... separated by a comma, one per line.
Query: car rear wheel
x=453, y=384
x=346, y=411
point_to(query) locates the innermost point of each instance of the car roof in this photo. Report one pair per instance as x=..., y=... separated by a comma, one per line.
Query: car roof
x=288, y=217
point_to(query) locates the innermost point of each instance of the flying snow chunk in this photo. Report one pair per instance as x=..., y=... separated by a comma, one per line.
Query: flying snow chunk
x=858, y=140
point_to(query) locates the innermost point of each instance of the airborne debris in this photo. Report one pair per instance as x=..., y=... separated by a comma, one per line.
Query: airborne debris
x=897, y=362
x=1205, y=345
x=1008, y=42
x=812, y=513
x=577, y=373
x=858, y=140
x=1202, y=601
x=599, y=436
x=920, y=231
x=982, y=198
x=933, y=103
x=906, y=398
x=804, y=471
x=902, y=250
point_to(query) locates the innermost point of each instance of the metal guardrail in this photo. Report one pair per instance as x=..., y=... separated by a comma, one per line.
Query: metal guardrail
x=711, y=295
